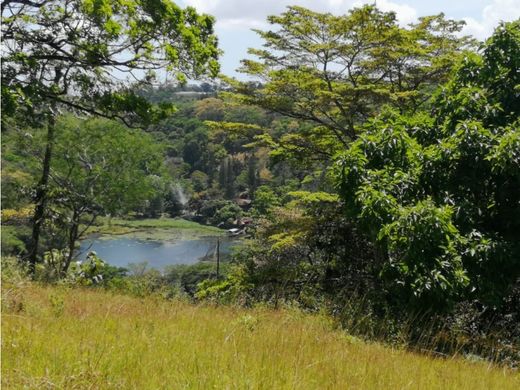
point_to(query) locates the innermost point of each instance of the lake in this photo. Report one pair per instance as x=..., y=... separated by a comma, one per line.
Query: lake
x=158, y=254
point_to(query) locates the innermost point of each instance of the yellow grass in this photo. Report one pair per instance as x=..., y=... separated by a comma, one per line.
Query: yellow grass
x=78, y=339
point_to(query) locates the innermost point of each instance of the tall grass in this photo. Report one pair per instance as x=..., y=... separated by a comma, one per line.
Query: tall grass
x=57, y=337
x=443, y=335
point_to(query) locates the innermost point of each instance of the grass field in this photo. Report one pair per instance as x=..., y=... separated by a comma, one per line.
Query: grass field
x=156, y=229
x=85, y=339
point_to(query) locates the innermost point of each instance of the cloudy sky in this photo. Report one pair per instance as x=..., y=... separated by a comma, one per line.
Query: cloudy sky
x=236, y=18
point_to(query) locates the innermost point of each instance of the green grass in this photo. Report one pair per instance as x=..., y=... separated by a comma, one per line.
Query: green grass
x=156, y=229
x=78, y=339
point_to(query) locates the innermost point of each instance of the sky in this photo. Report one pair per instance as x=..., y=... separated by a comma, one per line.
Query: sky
x=236, y=18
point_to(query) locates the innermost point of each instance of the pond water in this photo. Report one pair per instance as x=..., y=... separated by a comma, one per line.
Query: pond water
x=122, y=251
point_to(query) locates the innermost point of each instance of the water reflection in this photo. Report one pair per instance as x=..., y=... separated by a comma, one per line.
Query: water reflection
x=122, y=251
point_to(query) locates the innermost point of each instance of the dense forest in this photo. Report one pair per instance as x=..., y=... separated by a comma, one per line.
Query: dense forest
x=371, y=170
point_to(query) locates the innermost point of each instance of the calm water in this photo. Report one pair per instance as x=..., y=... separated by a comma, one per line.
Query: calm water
x=122, y=251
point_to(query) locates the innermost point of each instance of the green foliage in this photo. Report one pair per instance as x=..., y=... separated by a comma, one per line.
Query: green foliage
x=14, y=240
x=305, y=253
x=424, y=265
x=199, y=180
x=53, y=266
x=15, y=177
x=213, y=156
x=72, y=64
x=335, y=72
x=226, y=213
x=441, y=197
x=264, y=200
x=102, y=166
x=187, y=278
x=211, y=109
x=312, y=198
x=92, y=271
x=14, y=272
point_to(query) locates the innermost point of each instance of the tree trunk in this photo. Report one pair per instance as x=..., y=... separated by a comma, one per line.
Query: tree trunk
x=73, y=237
x=41, y=197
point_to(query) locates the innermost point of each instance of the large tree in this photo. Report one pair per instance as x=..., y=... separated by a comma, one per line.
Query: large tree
x=336, y=72
x=82, y=55
x=440, y=195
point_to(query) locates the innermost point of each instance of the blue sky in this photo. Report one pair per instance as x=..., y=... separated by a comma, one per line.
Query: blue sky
x=235, y=18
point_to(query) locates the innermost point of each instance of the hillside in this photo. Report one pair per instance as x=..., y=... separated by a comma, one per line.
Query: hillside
x=58, y=337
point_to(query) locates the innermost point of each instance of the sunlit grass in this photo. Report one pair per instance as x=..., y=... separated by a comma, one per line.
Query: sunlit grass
x=158, y=229
x=75, y=338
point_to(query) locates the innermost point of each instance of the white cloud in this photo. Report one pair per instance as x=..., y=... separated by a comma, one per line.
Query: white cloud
x=405, y=13
x=492, y=14
x=246, y=14
x=239, y=14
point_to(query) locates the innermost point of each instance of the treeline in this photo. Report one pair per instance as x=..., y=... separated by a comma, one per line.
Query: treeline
x=220, y=172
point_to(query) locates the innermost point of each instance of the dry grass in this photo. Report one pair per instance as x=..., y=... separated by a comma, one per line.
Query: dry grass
x=79, y=339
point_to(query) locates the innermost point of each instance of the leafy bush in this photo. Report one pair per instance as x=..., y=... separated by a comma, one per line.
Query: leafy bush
x=17, y=217
x=188, y=277
x=264, y=200
x=439, y=197
x=231, y=289
x=424, y=265
x=227, y=214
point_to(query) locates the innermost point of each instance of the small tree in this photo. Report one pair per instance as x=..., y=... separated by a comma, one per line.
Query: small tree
x=199, y=180
x=100, y=167
x=264, y=200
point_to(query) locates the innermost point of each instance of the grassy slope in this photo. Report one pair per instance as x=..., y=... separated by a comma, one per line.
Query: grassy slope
x=158, y=229
x=74, y=338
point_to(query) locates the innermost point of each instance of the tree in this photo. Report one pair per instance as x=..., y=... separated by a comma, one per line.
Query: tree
x=252, y=172
x=227, y=177
x=264, y=200
x=100, y=167
x=210, y=109
x=439, y=195
x=70, y=54
x=336, y=72
x=199, y=180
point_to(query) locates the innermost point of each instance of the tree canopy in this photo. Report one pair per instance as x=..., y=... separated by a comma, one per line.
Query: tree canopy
x=338, y=71
x=84, y=55
x=440, y=194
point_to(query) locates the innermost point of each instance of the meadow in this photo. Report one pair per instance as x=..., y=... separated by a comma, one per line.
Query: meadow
x=157, y=229
x=76, y=338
